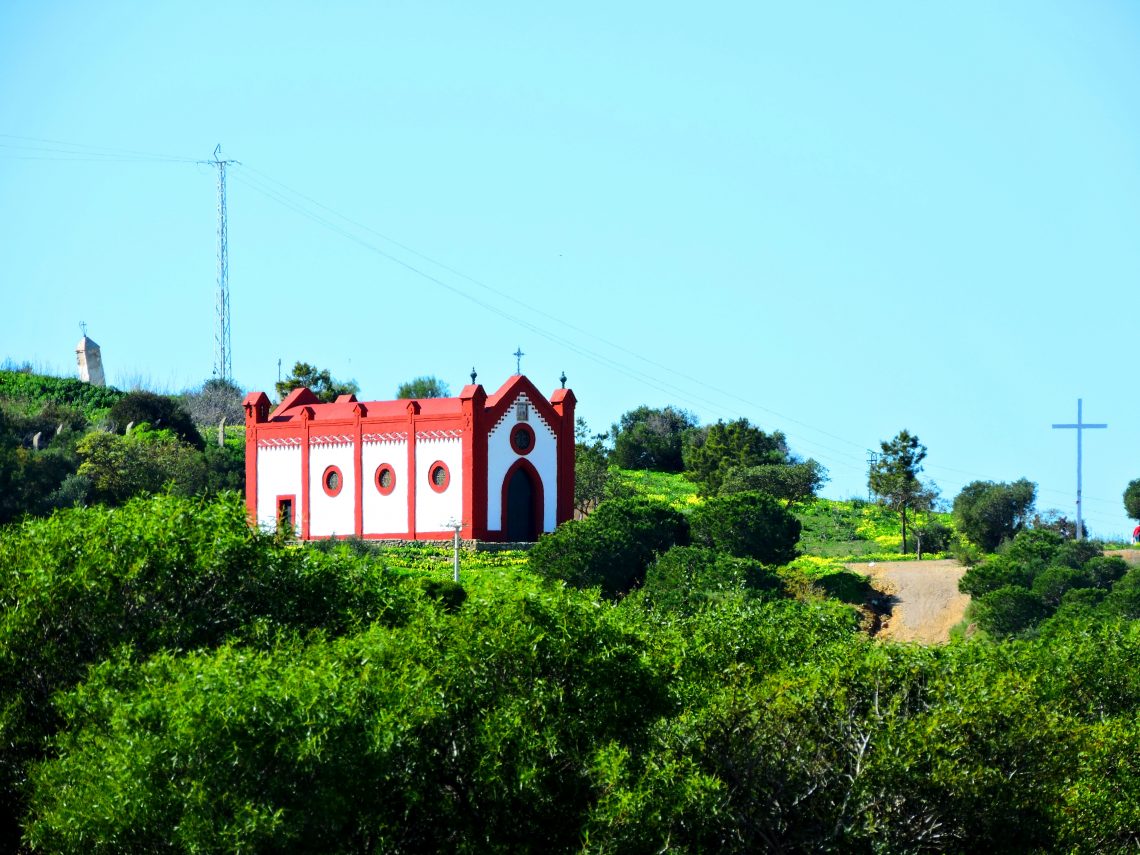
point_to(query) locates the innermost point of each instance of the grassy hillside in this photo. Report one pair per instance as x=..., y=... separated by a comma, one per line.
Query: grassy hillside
x=851, y=530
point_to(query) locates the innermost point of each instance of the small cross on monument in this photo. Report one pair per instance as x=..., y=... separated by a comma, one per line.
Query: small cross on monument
x=518, y=355
x=1079, y=427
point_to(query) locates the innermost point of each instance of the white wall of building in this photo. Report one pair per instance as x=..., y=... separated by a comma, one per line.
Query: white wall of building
x=500, y=458
x=329, y=515
x=278, y=474
x=385, y=514
x=434, y=510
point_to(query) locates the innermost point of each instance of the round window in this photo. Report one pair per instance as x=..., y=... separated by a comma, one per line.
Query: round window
x=332, y=481
x=385, y=479
x=522, y=438
x=439, y=476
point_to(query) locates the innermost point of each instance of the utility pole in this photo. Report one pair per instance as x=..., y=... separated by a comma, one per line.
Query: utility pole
x=872, y=459
x=1080, y=427
x=223, y=356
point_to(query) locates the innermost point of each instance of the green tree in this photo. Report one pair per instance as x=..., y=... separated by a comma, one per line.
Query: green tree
x=747, y=525
x=593, y=480
x=793, y=483
x=894, y=477
x=989, y=513
x=1009, y=610
x=710, y=452
x=651, y=438
x=318, y=381
x=1132, y=499
x=427, y=386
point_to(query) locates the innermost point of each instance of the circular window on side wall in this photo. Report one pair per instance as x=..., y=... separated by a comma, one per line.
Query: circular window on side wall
x=385, y=479
x=522, y=438
x=332, y=480
x=439, y=476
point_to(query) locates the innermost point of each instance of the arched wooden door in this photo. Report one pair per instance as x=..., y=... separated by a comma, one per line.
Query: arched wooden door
x=522, y=506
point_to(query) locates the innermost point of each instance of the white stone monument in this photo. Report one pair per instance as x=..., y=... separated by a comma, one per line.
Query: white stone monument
x=90, y=361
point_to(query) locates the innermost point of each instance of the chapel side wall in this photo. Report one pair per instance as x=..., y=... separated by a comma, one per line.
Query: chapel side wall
x=434, y=509
x=385, y=515
x=543, y=457
x=331, y=515
x=278, y=474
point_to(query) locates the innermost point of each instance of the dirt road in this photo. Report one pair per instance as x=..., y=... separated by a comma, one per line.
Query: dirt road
x=926, y=601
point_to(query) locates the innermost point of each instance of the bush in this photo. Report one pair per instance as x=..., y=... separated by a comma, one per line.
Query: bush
x=158, y=411
x=747, y=525
x=1009, y=610
x=612, y=547
x=686, y=578
x=990, y=513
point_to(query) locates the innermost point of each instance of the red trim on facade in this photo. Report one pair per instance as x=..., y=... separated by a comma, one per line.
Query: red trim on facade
x=380, y=470
x=413, y=410
x=306, y=414
x=524, y=429
x=431, y=470
x=359, y=411
x=303, y=421
x=537, y=497
x=563, y=403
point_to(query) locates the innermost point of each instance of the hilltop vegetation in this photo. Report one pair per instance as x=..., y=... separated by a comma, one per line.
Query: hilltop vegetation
x=665, y=674
x=177, y=680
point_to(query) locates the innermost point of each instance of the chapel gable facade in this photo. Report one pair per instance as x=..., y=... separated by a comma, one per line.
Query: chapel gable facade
x=501, y=466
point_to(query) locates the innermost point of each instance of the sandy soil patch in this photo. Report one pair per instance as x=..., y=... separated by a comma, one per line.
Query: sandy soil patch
x=925, y=596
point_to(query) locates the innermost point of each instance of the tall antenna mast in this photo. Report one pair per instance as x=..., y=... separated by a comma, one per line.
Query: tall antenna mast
x=223, y=357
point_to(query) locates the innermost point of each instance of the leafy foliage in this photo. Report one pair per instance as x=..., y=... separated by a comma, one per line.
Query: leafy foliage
x=39, y=390
x=990, y=513
x=649, y=438
x=894, y=477
x=160, y=412
x=688, y=578
x=318, y=381
x=747, y=525
x=143, y=461
x=426, y=386
x=1132, y=499
x=794, y=483
x=711, y=451
x=612, y=547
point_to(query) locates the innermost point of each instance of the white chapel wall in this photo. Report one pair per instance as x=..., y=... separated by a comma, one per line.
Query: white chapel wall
x=329, y=515
x=434, y=510
x=278, y=474
x=385, y=514
x=500, y=458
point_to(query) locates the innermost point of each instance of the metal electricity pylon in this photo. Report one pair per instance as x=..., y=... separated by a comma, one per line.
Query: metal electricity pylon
x=223, y=357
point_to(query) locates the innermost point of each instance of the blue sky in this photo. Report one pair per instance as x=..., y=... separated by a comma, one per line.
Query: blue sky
x=835, y=219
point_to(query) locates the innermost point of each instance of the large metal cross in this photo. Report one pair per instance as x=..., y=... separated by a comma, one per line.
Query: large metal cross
x=1079, y=427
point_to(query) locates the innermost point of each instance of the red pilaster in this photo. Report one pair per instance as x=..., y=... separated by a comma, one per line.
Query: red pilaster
x=306, y=415
x=413, y=411
x=359, y=411
x=474, y=511
x=256, y=406
x=564, y=402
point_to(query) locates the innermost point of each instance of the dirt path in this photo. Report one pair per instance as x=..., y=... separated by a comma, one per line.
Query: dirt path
x=925, y=594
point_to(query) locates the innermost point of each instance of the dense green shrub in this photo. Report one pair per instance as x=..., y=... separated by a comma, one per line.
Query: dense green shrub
x=611, y=547
x=747, y=525
x=40, y=390
x=159, y=411
x=1009, y=610
x=687, y=578
x=163, y=573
